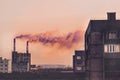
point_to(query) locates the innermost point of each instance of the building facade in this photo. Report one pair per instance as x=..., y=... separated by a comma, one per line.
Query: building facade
x=102, y=49
x=20, y=61
x=79, y=61
x=4, y=68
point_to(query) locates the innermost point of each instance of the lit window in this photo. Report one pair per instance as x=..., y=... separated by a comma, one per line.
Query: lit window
x=78, y=57
x=78, y=68
x=111, y=48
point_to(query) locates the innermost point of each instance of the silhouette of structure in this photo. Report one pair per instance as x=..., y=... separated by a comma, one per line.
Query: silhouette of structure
x=21, y=61
x=102, y=48
x=79, y=61
x=4, y=65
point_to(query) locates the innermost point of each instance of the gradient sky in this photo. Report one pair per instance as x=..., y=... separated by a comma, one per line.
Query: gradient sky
x=39, y=16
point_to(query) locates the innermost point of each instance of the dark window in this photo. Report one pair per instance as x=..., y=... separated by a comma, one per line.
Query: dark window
x=96, y=37
x=6, y=65
x=112, y=35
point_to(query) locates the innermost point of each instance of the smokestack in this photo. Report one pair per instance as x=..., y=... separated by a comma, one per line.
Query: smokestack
x=14, y=45
x=27, y=45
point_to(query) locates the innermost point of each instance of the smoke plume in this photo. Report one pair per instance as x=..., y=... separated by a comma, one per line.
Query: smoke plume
x=52, y=38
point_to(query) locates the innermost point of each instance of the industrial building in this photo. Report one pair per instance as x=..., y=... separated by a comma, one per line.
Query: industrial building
x=102, y=48
x=79, y=61
x=4, y=65
x=21, y=61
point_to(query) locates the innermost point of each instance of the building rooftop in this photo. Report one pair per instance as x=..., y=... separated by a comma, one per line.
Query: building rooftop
x=111, y=24
x=79, y=52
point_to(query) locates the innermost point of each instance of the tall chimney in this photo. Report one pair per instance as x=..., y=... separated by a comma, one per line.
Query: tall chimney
x=111, y=16
x=27, y=45
x=14, y=45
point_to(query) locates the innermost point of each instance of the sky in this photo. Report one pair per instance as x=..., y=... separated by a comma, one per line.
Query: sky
x=57, y=17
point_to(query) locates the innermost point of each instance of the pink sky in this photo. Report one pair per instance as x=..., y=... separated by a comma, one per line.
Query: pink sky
x=39, y=16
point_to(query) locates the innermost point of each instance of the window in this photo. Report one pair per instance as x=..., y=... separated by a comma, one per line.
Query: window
x=96, y=37
x=78, y=64
x=111, y=48
x=6, y=69
x=112, y=35
x=78, y=57
x=6, y=65
x=78, y=68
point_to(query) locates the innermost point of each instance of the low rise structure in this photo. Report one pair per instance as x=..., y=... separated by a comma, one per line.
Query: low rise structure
x=52, y=66
x=79, y=61
x=4, y=65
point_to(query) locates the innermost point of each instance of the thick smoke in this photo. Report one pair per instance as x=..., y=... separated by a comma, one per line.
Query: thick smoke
x=52, y=38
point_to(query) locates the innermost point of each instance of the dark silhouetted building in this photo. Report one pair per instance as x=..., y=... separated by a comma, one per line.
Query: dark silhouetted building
x=102, y=48
x=21, y=61
x=79, y=61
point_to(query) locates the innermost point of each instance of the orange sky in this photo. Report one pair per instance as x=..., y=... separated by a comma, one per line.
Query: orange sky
x=39, y=16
